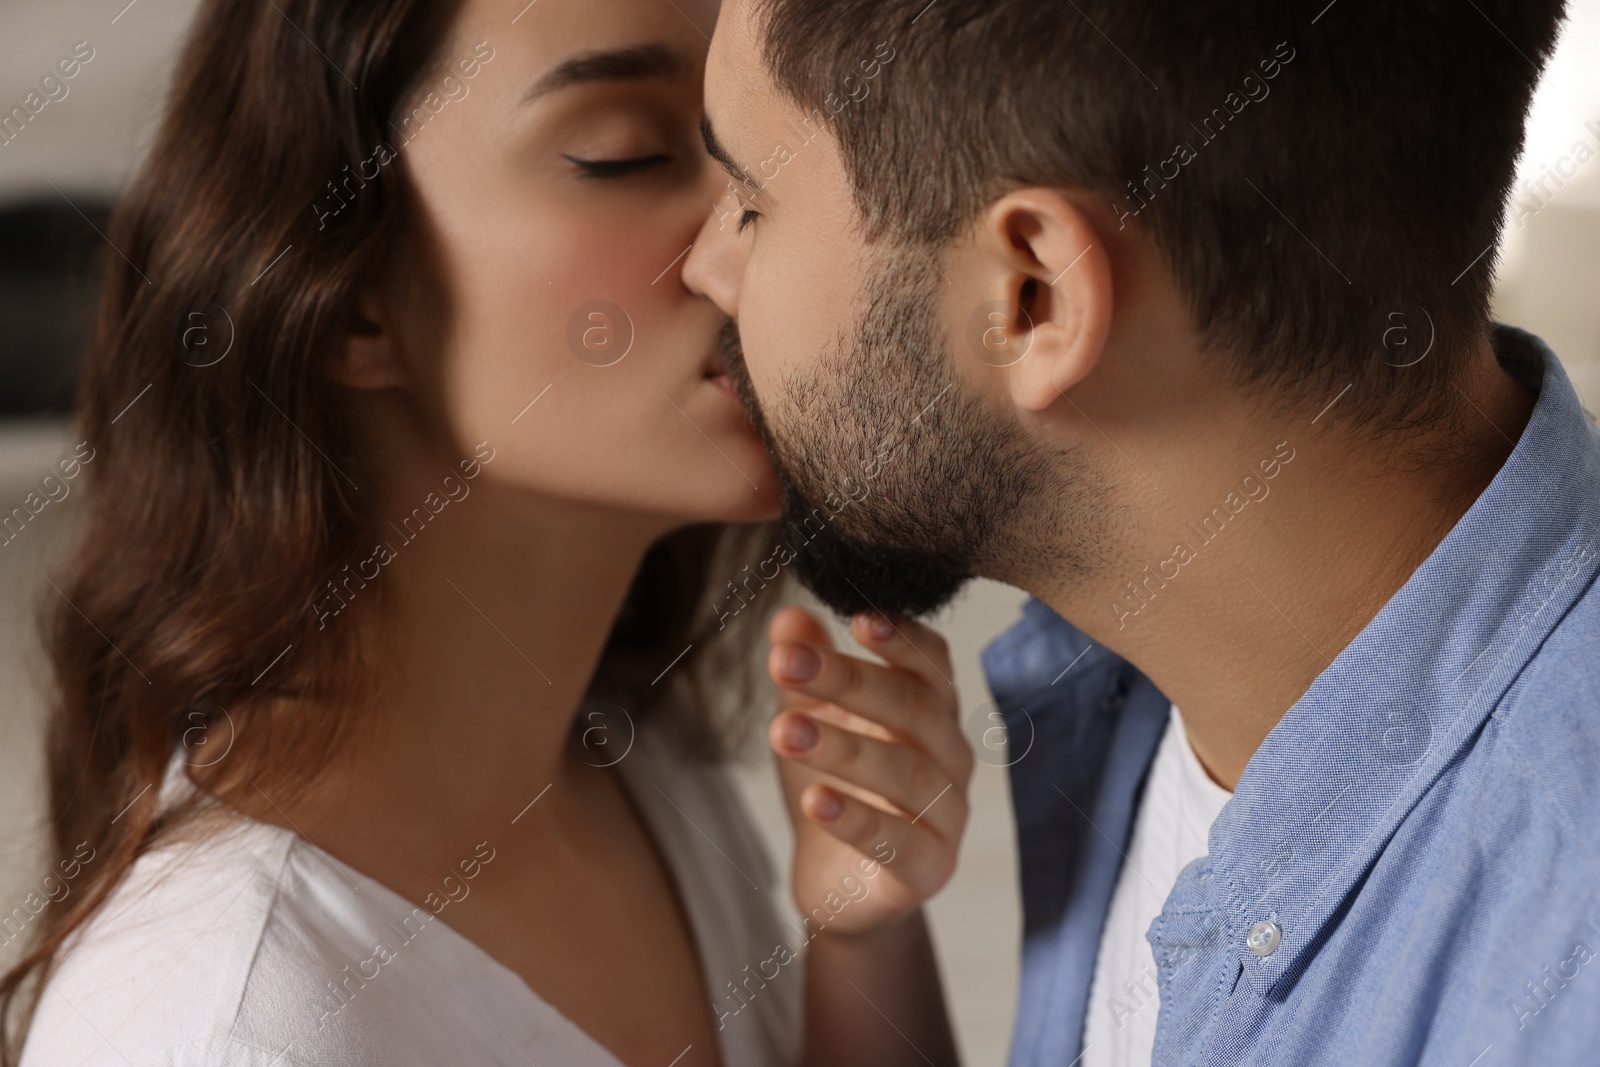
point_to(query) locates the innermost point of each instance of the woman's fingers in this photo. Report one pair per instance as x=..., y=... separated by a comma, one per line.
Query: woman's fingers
x=919, y=858
x=794, y=623
x=909, y=645
x=905, y=643
x=906, y=777
x=893, y=698
x=790, y=625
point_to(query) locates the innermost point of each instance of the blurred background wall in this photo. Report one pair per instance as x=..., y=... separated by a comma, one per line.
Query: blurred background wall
x=60, y=171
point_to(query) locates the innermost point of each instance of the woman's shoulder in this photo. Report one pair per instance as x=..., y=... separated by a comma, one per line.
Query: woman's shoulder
x=158, y=974
x=243, y=945
x=247, y=946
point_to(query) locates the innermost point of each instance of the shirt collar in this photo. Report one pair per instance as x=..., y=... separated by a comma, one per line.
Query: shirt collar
x=1039, y=651
x=1321, y=797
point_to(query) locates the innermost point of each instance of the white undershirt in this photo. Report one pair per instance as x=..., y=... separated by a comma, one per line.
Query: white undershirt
x=1180, y=803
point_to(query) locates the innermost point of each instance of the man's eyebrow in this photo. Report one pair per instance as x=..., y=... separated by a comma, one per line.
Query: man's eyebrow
x=715, y=150
x=645, y=62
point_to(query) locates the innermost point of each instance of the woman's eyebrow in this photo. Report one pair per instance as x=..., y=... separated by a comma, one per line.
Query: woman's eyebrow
x=643, y=62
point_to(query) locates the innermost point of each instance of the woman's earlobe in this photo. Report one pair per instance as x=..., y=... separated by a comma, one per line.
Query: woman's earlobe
x=366, y=364
x=369, y=358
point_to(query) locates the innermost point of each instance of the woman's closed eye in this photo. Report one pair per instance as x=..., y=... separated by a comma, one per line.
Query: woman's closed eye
x=617, y=168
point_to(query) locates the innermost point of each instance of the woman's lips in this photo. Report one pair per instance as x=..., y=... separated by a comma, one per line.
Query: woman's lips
x=720, y=379
x=717, y=375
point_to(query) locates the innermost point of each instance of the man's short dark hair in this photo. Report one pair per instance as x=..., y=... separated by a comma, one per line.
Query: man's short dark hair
x=1308, y=171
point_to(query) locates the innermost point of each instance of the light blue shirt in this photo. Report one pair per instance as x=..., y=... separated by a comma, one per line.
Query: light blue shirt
x=1409, y=869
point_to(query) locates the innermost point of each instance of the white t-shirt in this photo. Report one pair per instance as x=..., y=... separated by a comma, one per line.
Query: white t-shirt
x=1180, y=803
x=255, y=948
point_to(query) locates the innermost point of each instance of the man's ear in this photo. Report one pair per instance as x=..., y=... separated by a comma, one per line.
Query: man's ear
x=1049, y=269
x=370, y=358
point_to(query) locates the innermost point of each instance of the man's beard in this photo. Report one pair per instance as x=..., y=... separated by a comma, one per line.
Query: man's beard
x=898, y=486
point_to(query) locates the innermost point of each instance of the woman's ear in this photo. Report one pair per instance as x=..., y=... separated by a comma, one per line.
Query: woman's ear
x=1054, y=273
x=370, y=358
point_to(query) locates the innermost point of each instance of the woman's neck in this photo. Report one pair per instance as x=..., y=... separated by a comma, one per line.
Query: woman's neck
x=495, y=607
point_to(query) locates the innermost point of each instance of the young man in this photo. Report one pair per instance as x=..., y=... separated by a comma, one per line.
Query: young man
x=1177, y=317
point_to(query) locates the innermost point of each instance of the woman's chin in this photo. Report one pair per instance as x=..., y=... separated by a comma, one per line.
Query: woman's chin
x=763, y=507
x=740, y=502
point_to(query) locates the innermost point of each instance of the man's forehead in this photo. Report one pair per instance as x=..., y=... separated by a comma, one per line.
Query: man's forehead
x=738, y=92
x=733, y=67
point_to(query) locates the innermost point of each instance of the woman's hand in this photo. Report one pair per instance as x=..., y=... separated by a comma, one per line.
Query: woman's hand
x=874, y=768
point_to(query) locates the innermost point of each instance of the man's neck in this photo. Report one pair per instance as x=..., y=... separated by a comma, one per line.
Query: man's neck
x=1268, y=549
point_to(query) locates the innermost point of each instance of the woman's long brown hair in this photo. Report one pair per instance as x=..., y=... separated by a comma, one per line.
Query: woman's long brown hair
x=217, y=506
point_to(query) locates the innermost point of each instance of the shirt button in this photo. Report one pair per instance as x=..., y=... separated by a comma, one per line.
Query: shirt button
x=1263, y=937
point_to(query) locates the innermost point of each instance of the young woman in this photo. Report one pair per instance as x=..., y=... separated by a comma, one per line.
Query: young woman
x=390, y=651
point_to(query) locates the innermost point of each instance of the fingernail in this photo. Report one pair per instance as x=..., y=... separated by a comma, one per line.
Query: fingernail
x=880, y=626
x=799, y=734
x=827, y=806
x=801, y=663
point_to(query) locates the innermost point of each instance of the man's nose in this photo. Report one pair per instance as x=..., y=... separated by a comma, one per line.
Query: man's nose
x=715, y=266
